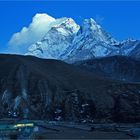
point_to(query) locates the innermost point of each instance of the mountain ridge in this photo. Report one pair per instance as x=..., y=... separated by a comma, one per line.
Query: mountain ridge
x=70, y=42
x=121, y=68
x=36, y=88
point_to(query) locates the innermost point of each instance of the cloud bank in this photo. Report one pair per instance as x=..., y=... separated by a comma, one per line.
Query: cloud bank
x=20, y=41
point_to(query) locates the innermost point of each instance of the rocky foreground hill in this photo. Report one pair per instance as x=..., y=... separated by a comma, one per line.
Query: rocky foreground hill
x=37, y=88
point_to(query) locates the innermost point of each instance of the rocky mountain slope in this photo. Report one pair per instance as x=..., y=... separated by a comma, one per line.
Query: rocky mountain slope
x=56, y=41
x=91, y=41
x=53, y=90
x=120, y=68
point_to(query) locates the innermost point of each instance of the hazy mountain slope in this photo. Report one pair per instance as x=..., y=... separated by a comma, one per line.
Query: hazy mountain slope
x=115, y=67
x=136, y=51
x=50, y=89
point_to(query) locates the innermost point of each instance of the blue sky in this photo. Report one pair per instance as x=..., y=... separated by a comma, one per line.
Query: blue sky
x=121, y=19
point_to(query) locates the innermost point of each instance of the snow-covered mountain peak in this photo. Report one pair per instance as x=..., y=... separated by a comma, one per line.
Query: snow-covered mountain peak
x=67, y=21
x=91, y=41
x=90, y=29
x=64, y=25
x=56, y=40
x=65, y=40
x=71, y=25
x=90, y=24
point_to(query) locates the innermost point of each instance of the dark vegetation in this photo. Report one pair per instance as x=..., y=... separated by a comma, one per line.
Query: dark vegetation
x=98, y=90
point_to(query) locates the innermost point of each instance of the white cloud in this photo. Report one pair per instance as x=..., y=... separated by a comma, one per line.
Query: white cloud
x=20, y=41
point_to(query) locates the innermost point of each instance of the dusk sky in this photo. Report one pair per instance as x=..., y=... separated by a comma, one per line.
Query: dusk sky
x=121, y=19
